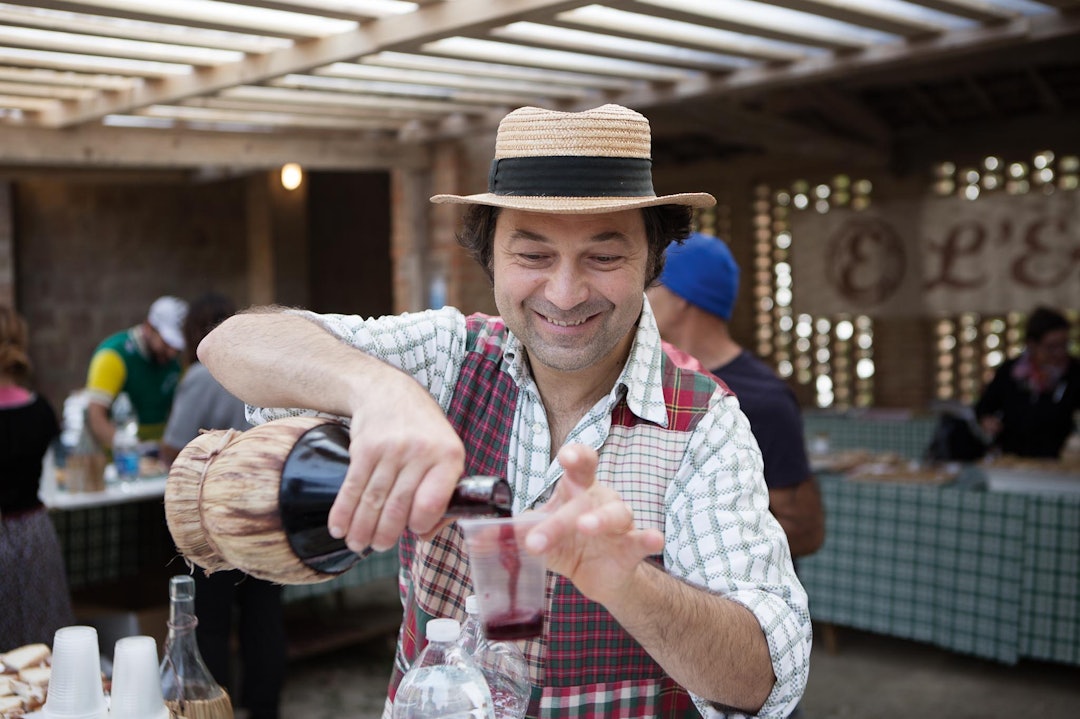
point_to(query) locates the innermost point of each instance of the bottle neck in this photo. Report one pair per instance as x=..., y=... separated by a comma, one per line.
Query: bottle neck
x=311, y=477
x=182, y=619
x=181, y=624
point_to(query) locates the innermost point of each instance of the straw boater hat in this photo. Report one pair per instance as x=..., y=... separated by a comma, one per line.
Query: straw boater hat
x=570, y=163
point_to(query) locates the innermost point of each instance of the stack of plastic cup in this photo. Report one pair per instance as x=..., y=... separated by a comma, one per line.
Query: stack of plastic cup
x=136, y=689
x=75, y=689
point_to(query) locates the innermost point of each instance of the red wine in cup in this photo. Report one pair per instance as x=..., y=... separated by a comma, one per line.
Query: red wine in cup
x=512, y=624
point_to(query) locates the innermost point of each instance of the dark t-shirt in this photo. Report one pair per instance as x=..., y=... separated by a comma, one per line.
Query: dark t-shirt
x=25, y=434
x=1032, y=425
x=774, y=417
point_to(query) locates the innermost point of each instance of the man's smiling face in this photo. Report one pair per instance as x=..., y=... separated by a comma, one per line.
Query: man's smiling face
x=570, y=286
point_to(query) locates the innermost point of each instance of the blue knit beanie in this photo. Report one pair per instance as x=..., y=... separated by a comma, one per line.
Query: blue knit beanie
x=702, y=271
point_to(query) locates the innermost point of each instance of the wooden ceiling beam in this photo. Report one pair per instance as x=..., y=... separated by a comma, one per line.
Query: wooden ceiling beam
x=929, y=53
x=1062, y=4
x=667, y=56
x=738, y=125
x=1046, y=93
x=843, y=108
x=717, y=20
x=996, y=57
x=164, y=12
x=868, y=15
x=753, y=48
x=338, y=11
x=926, y=105
x=972, y=9
x=985, y=103
x=127, y=147
x=87, y=24
x=427, y=23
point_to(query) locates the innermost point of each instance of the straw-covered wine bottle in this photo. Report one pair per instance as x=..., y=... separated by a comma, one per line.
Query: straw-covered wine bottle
x=259, y=500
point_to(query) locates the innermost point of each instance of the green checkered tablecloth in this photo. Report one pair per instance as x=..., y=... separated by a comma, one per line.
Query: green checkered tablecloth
x=995, y=575
x=907, y=436
x=377, y=565
x=1050, y=612
x=112, y=543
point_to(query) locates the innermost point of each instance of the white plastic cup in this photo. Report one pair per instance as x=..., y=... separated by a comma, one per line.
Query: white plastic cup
x=136, y=688
x=75, y=689
x=508, y=581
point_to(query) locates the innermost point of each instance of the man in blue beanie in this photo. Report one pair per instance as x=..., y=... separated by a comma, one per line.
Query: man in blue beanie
x=692, y=303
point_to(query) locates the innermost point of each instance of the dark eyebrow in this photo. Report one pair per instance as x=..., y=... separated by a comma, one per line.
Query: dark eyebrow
x=607, y=236
x=519, y=234
x=611, y=236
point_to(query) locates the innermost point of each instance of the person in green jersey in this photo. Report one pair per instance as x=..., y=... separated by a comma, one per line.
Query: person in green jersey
x=140, y=361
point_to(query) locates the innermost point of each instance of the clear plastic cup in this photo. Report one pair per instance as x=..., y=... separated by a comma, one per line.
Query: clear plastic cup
x=75, y=688
x=508, y=581
x=136, y=687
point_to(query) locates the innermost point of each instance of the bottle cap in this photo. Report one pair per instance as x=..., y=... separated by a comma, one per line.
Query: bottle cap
x=182, y=587
x=443, y=630
x=471, y=605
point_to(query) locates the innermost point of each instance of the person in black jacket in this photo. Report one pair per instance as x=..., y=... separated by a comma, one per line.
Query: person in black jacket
x=34, y=596
x=1028, y=408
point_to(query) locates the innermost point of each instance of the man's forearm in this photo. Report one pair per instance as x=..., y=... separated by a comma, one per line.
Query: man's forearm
x=713, y=647
x=285, y=360
x=800, y=513
x=101, y=428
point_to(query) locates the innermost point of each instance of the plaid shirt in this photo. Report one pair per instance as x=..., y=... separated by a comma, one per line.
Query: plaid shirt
x=677, y=449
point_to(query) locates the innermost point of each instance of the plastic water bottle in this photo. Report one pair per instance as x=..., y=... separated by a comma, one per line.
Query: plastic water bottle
x=125, y=447
x=502, y=663
x=443, y=682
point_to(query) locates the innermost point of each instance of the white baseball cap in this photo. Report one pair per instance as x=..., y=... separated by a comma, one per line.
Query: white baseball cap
x=167, y=316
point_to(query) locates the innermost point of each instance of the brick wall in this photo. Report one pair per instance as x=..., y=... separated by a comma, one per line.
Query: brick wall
x=92, y=256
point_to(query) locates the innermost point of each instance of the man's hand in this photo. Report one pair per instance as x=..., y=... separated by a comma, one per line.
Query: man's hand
x=589, y=535
x=405, y=458
x=404, y=465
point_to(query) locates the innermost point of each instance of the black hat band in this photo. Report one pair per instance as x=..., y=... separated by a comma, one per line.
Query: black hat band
x=571, y=176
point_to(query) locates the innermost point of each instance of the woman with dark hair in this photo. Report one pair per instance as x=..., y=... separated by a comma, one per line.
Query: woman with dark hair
x=34, y=598
x=1029, y=406
x=202, y=403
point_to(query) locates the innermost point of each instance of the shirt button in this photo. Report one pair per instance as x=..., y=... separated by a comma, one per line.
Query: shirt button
x=538, y=428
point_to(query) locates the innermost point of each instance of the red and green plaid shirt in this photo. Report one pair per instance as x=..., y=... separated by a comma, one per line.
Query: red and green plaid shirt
x=674, y=445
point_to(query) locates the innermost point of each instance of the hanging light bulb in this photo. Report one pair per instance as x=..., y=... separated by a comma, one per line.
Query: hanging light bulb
x=291, y=175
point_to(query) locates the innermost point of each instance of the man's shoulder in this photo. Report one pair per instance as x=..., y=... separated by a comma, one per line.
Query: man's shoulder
x=750, y=372
x=757, y=386
x=686, y=367
x=486, y=334
x=689, y=389
x=121, y=342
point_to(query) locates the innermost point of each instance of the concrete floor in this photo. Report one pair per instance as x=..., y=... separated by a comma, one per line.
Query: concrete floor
x=875, y=677
x=867, y=677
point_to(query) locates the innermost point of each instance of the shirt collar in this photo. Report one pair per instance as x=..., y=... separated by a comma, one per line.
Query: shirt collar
x=640, y=381
x=137, y=336
x=642, y=377
x=516, y=365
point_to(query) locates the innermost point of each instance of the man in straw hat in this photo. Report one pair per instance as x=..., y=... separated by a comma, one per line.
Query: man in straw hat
x=671, y=589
